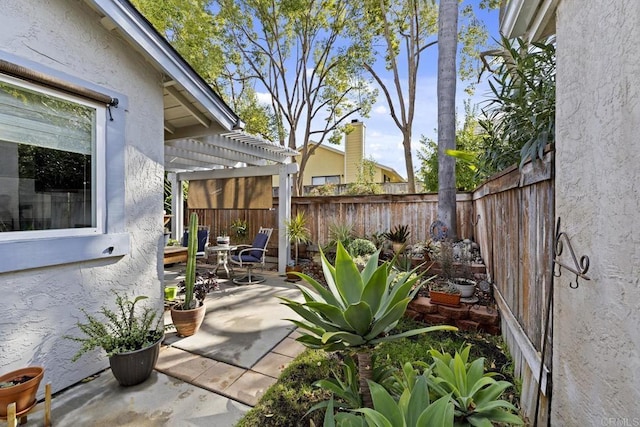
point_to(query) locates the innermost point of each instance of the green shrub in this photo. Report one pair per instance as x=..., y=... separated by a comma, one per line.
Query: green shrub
x=360, y=247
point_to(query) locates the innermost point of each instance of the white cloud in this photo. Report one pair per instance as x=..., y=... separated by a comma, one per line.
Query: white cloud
x=380, y=109
x=264, y=97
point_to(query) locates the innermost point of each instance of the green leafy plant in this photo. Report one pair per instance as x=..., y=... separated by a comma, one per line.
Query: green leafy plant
x=520, y=117
x=361, y=247
x=398, y=234
x=411, y=409
x=474, y=393
x=357, y=311
x=339, y=232
x=240, y=229
x=121, y=330
x=297, y=231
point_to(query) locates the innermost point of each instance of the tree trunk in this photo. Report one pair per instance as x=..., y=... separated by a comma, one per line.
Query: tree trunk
x=447, y=47
x=408, y=161
x=365, y=372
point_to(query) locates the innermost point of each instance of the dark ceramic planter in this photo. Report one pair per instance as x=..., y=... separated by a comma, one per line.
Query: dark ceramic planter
x=23, y=394
x=134, y=367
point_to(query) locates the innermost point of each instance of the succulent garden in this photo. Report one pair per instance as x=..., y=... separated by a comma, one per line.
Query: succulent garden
x=368, y=362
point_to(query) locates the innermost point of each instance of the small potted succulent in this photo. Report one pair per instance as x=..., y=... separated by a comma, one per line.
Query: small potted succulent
x=131, y=340
x=444, y=293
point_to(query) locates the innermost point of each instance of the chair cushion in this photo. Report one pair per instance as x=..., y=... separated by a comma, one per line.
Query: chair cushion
x=245, y=258
x=203, y=237
x=260, y=241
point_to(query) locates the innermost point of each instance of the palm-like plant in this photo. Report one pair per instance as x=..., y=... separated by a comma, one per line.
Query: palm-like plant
x=357, y=311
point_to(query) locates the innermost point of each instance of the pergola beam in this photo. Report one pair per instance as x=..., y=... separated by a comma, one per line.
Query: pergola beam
x=207, y=149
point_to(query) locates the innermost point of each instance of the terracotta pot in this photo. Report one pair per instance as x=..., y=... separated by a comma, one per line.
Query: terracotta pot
x=187, y=322
x=134, y=367
x=292, y=277
x=442, y=298
x=397, y=247
x=23, y=394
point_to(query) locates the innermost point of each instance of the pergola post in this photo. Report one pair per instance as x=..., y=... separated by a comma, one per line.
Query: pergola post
x=177, y=206
x=284, y=214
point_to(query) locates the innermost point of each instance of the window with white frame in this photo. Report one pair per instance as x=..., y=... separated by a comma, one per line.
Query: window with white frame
x=51, y=167
x=329, y=179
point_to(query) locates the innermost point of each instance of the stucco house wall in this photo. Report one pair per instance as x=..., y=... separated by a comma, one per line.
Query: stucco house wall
x=596, y=351
x=40, y=305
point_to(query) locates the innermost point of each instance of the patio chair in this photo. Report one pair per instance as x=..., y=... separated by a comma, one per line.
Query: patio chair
x=203, y=240
x=252, y=255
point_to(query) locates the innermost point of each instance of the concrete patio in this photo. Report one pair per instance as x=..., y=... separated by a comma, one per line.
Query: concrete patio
x=210, y=379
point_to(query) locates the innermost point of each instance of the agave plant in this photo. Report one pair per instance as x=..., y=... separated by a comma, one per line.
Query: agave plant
x=411, y=409
x=357, y=311
x=474, y=393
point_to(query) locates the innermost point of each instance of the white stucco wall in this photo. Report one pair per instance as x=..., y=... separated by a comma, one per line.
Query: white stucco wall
x=40, y=305
x=596, y=358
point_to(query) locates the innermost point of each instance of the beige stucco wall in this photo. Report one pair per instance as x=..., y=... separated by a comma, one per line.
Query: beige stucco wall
x=596, y=355
x=40, y=305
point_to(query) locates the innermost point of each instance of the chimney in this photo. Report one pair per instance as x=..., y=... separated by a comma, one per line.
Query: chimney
x=353, y=151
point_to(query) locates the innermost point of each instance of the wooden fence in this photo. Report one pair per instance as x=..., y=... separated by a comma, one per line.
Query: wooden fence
x=367, y=215
x=511, y=216
x=515, y=213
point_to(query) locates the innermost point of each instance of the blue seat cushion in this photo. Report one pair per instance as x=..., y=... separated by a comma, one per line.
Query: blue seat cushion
x=203, y=236
x=245, y=258
x=260, y=241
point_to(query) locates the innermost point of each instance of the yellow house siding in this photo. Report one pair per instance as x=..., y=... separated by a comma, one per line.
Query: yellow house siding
x=354, y=151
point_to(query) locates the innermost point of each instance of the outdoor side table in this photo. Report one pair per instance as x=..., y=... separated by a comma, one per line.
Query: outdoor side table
x=222, y=253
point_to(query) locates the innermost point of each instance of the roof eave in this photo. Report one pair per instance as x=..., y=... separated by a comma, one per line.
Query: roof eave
x=140, y=33
x=528, y=19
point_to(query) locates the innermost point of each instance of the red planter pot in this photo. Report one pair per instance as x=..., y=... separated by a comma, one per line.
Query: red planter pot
x=23, y=394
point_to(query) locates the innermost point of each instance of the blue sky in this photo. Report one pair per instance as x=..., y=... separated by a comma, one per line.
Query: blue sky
x=383, y=140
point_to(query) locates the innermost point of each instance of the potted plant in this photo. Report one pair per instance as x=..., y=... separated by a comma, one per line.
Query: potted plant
x=444, y=293
x=20, y=387
x=131, y=341
x=187, y=316
x=240, y=230
x=297, y=232
x=223, y=239
x=398, y=236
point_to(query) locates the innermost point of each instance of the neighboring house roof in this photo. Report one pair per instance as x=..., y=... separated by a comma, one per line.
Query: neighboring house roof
x=201, y=131
x=390, y=171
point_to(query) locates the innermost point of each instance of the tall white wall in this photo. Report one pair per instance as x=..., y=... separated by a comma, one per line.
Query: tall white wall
x=41, y=305
x=596, y=355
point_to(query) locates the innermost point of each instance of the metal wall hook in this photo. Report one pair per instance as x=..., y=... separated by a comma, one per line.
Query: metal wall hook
x=579, y=267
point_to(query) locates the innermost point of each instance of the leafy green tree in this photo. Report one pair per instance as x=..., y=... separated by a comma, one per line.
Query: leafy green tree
x=520, y=116
x=397, y=32
x=196, y=33
x=469, y=139
x=306, y=58
x=365, y=181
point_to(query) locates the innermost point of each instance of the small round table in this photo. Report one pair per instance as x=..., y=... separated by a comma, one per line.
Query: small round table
x=222, y=253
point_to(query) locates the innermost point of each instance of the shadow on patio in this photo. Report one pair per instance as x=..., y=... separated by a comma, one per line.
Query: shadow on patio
x=210, y=378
